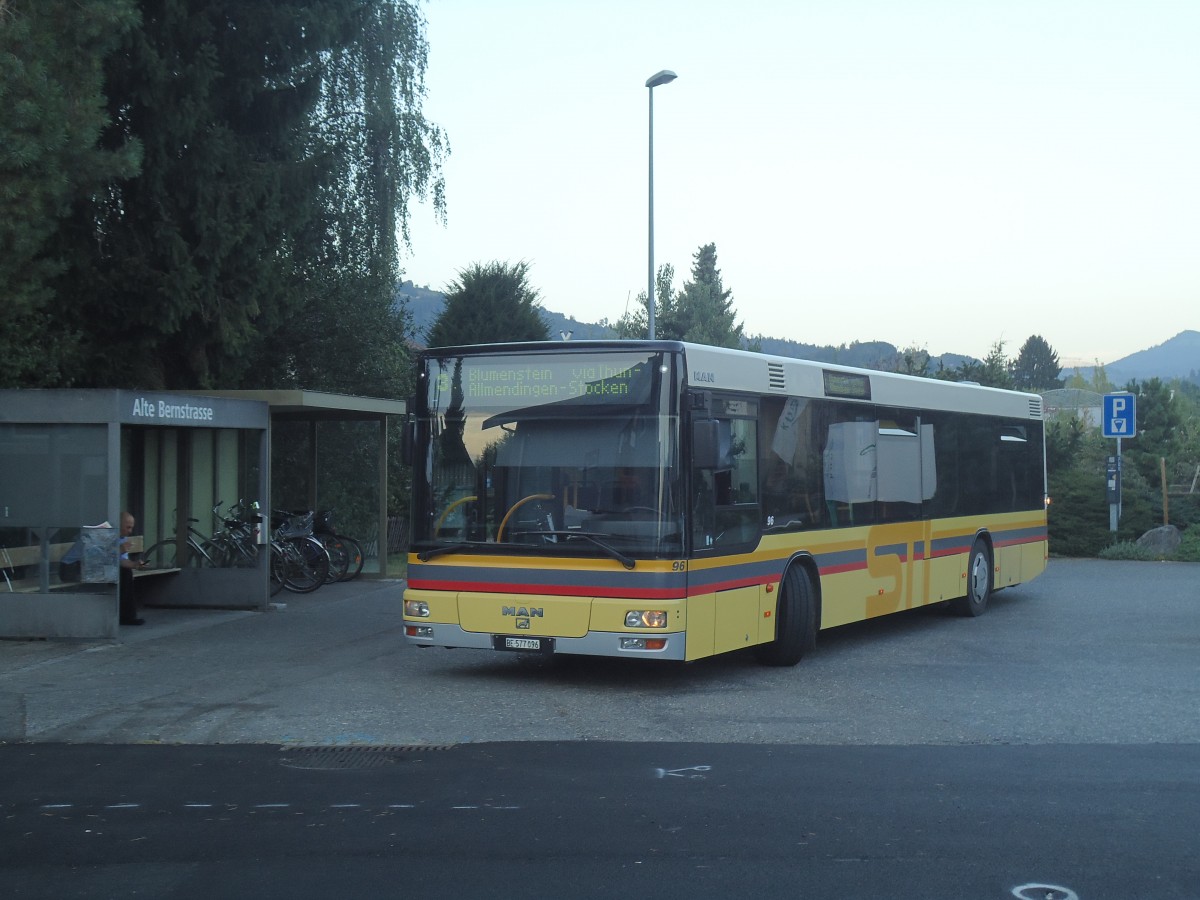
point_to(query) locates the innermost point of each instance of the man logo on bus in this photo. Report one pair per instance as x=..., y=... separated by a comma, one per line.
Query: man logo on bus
x=523, y=611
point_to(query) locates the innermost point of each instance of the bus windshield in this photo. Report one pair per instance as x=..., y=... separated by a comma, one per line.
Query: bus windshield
x=563, y=453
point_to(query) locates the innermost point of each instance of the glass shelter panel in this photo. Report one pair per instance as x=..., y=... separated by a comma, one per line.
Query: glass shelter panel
x=53, y=484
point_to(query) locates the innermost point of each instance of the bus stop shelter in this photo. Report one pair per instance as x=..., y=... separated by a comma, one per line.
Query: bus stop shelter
x=73, y=461
x=332, y=447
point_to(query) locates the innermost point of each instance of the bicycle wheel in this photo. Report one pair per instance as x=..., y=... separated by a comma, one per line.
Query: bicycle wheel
x=339, y=557
x=306, y=564
x=208, y=554
x=354, y=549
x=161, y=555
x=238, y=550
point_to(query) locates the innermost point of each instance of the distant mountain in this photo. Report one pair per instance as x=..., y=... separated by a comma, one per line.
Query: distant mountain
x=424, y=305
x=1177, y=358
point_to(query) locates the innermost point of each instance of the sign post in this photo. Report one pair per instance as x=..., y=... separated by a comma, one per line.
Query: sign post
x=1118, y=419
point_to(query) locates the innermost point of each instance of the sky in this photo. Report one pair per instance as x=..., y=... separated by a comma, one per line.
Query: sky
x=938, y=174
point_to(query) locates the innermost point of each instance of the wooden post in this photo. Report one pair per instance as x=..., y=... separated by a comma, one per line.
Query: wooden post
x=1162, y=470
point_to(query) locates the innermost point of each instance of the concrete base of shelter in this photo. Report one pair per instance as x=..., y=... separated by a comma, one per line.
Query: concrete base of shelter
x=205, y=589
x=63, y=614
x=59, y=615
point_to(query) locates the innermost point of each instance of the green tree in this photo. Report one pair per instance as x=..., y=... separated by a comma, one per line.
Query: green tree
x=188, y=261
x=1037, y=367
x=343, y=331
x=913, y=361
x=994, y=371
x=1065, y=436
x=282, y=141
x=1159, y=430
x=636, y=324
x=704, y=308
x=52, y=54
x=967, y=370
x=489, y=303
x=997, y=369
x=702, y=312
x=1098, y=382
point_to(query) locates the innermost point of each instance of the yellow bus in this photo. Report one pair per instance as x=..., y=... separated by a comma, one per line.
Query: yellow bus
x=665, y=500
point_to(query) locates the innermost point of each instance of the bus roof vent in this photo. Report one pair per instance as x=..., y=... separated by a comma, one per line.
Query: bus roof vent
x=775, y=378
x=1035, y=407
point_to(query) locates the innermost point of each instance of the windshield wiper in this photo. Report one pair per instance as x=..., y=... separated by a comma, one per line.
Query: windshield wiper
x=426, y=555
x=627, y=561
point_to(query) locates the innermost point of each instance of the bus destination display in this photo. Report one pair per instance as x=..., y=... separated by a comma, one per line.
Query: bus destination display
x=499, y=383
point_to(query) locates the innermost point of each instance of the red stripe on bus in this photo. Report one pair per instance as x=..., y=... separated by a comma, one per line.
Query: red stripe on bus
x=509, y=587
x=1015, y=542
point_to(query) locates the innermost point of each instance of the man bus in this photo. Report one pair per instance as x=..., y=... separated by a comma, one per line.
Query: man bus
x=665, y=500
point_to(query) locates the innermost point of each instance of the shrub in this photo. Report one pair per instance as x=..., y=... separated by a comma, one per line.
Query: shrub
x=1185, y=511
x=1078, y=513
x=1189, y=548
x=1127, y=550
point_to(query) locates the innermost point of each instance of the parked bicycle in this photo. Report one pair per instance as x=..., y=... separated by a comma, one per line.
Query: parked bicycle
x=345, y=553
x=238, y=539
x=192, y=548
x=299, y=561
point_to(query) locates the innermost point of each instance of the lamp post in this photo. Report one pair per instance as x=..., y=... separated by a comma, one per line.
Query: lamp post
x=666, y=76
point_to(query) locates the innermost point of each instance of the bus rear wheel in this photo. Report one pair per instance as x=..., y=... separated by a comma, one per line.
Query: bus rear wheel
x=979, y=583
x=795, y=621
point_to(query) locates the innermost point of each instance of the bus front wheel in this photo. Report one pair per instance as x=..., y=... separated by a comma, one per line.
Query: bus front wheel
x=795, y=621
x=979, y=583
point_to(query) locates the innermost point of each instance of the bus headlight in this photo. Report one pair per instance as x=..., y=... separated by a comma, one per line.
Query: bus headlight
x=416, y=608
x=646, y=618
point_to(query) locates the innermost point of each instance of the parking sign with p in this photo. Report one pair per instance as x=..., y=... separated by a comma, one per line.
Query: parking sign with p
x=1118, y=418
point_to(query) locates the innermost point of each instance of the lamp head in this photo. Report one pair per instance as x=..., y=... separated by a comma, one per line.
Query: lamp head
x=664, y=77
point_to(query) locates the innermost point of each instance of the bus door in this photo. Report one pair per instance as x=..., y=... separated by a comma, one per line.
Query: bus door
x=726, y=523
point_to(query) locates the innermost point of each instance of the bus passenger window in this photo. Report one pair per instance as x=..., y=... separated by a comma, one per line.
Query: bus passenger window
x=791, y=465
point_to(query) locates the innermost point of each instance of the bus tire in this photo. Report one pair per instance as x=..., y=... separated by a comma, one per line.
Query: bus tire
x=979, y=582
x=795, y=621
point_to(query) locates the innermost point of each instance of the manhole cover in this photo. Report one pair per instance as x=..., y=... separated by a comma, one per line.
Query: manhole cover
x=357, y=757
x=1043, y=892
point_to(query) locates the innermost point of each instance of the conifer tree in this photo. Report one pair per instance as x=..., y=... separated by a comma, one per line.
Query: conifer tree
x=1036, y=367
x=705, y=306
x=255, y=241
x=51, y=92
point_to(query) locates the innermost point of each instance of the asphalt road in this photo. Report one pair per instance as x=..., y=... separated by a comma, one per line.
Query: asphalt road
x=1049, y=750
x=1090, y=652
x=601, y=819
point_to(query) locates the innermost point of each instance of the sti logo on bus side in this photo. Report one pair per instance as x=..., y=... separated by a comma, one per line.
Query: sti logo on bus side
x=532, y=612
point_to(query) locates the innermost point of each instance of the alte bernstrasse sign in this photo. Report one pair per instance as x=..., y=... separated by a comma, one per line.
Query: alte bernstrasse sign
x=163, y=410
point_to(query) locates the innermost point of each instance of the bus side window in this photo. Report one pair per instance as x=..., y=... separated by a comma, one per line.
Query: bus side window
x=790, y=465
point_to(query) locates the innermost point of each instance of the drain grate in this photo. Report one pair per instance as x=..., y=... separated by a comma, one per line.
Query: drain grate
x=352, y=757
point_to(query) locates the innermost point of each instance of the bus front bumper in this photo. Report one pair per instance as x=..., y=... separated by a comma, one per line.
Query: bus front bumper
x=595, y=643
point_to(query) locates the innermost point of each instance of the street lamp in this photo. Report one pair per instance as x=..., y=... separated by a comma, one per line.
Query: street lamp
x=666, y=76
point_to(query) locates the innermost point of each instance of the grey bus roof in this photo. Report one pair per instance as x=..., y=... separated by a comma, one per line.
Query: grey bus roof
x=719, y=368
